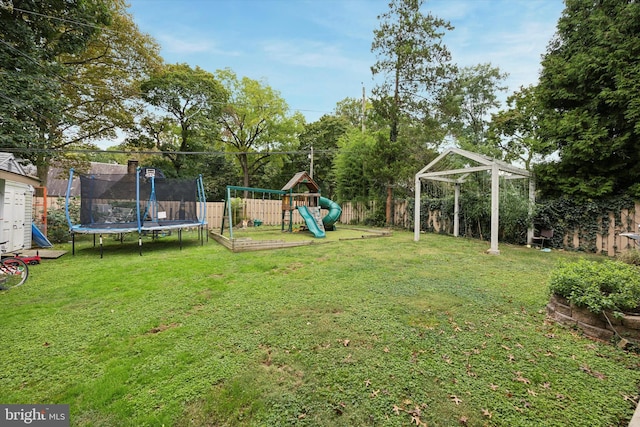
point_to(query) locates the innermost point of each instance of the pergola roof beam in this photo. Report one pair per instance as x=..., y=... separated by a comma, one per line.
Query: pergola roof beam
x=454, y=172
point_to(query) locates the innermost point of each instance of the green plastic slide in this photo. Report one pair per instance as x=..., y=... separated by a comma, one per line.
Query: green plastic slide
x=311, y=222
x=334, y=212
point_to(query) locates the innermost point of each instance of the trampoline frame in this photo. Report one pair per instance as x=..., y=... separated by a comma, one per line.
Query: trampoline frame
x=140, y=226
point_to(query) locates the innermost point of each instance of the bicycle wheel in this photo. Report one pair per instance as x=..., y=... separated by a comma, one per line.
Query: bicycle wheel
x=13, y=272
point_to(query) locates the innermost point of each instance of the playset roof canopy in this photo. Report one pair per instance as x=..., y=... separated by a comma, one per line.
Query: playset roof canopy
x=302, y=178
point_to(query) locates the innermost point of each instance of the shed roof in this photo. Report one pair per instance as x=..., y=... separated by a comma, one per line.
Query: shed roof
x=302, y=178
x=12, y=170
x=57, y=182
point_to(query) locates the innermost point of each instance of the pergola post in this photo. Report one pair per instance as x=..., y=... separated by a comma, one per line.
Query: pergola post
x=495, y=209
x=456, y=210
x=416, y=210
x=532, y=203
x=484, y=164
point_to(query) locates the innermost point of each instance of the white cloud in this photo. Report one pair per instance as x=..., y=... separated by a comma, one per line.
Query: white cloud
x=312, y=54
x=190, y=46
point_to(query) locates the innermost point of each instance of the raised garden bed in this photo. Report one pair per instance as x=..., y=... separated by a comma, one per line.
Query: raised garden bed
x=603, y=326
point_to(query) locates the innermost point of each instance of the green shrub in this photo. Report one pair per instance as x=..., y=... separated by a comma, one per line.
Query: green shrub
x=630, y=257
x=57, y=224
x=607, y=285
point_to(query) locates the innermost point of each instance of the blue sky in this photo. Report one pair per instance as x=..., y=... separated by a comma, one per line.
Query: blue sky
x=318, y=52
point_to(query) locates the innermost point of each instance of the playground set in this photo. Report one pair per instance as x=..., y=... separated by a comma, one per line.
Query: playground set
x=301, y=194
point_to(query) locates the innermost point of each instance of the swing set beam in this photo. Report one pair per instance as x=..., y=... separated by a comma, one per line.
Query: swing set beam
x=227, y=202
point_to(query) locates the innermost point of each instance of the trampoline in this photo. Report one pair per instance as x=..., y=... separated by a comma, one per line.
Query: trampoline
x=142, y=202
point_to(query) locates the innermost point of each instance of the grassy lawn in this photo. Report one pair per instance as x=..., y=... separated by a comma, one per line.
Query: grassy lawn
x=381, y=331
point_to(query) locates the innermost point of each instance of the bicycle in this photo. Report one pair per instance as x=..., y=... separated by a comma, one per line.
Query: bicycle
x=13, y=272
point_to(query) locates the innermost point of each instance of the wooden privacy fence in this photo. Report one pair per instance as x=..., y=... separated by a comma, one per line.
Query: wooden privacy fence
x=267, y=211
x=606, y=240
x=270, y=213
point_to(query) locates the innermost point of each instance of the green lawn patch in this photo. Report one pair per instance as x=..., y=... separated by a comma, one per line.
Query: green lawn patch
x=357, y=332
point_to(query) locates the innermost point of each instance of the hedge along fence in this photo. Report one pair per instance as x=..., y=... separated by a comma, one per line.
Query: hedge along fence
x=591, y=227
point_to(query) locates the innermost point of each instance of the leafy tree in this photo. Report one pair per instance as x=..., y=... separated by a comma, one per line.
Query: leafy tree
x=414, y=66
x=78, y=63
x=471, y=97
x=192, y=100
x=588, y=89
x=255, y=123
x=515, y=130
x=31, y=76
x=323, y=136
x=353, y=178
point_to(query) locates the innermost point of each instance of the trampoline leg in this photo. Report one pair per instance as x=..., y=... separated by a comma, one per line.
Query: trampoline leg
x=73, y=243
x=140, y=243
x=94, y=237
x=94, y=240
x=180, y=237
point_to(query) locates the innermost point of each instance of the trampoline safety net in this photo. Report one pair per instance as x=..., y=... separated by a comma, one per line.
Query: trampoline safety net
x=115, y=203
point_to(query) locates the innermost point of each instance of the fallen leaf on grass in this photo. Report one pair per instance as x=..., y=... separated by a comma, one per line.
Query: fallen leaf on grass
x=595, y=374
x=415, y=412
x=463, y=420
x=396, y=409
x=494, y=387
x=486, y=413
x=522, y=379
x=455, y=399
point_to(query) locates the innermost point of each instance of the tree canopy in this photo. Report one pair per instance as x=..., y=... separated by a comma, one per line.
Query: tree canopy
x=415, y=68
x=69, y=75
x=515, y=130
x=588, y=90
x=192, y=101
x=255, y=123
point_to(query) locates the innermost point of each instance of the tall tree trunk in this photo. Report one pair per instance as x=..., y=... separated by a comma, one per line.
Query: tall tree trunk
x=42, y=162
x=389, y=210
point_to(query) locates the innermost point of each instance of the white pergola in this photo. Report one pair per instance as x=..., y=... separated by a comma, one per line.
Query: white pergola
x=459, y=176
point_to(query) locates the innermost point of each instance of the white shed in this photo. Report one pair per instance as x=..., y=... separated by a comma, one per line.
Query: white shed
x=16, y=204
